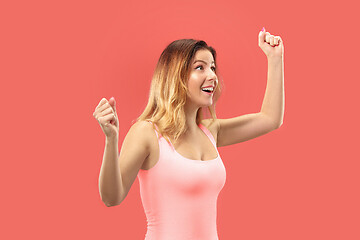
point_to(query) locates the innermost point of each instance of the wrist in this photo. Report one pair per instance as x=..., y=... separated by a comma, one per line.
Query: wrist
x=112, y=139
x=275, y=59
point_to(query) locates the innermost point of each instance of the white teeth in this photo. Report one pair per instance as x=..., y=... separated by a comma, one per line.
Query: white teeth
x=210, y=89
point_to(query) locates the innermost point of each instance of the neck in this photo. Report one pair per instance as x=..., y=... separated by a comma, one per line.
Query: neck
x=190, y=114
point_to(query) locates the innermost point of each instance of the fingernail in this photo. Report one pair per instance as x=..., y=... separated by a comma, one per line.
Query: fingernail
x=263, y=29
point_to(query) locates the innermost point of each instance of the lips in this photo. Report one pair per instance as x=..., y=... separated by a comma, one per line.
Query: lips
x=209, y=93
x=208, y=89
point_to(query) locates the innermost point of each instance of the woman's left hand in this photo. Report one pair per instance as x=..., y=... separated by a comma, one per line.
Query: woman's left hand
x=271, y=45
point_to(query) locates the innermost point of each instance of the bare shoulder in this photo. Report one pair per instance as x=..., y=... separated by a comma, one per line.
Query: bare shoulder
x=145, y=131
x=212, y=126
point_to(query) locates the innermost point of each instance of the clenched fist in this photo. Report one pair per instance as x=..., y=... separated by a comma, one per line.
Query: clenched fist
x=105, y=114
x=271, y=45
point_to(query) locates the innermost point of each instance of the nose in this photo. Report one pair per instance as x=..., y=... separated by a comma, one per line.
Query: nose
x=212, y=76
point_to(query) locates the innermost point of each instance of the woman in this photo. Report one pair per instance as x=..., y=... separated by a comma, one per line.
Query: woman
x=172, y=149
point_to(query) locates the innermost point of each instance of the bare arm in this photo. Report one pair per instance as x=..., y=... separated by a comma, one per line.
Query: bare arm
x=110, y=183
x=118, y=172
x=270, y=117
x=273, y=103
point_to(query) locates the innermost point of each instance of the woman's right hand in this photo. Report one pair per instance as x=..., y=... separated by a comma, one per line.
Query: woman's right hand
x=105, y=114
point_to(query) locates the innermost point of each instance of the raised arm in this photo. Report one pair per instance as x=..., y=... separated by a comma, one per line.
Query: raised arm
x=270, y=117
x=274, y=99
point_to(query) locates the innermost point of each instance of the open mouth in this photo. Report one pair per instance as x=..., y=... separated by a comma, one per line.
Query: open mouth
x=208, y=90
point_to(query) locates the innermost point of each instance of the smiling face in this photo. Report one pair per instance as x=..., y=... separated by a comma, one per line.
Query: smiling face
x=202, y=75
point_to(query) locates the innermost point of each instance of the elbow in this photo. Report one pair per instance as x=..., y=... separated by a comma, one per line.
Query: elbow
x=275, y=125
x=278, y=125
x=111, y=203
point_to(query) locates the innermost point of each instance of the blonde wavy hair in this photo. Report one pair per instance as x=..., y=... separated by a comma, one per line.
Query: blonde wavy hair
x=168, y=90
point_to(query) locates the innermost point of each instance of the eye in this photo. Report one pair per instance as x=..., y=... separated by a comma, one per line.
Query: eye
x=198, y=66
x=214, y=69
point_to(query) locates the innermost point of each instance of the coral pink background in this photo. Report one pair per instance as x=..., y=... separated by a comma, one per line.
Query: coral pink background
x=58, y=59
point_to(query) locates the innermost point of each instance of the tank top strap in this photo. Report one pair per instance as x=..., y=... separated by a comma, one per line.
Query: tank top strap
x=208, y=133
x=157, y=130
x=159, y=136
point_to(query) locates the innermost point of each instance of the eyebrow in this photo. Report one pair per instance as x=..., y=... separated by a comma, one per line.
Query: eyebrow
x=201, y=61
